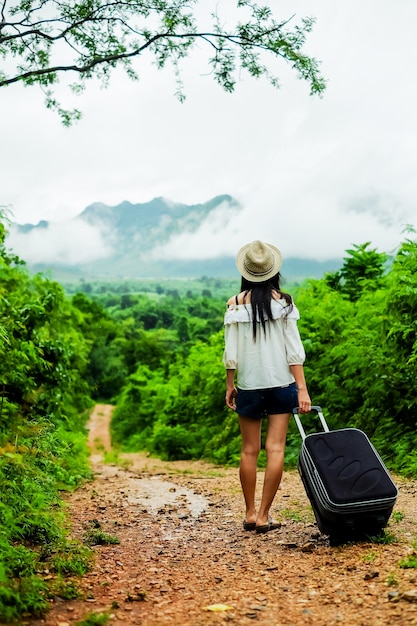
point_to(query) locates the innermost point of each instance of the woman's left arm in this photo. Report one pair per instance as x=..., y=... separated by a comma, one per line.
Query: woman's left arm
x=304, y=402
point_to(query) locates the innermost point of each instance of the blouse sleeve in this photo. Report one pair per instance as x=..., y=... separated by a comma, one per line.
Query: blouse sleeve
x=293, y=344
x=230, y=350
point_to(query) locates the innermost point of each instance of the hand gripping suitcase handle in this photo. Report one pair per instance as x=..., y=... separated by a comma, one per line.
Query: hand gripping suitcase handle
x=314, y=409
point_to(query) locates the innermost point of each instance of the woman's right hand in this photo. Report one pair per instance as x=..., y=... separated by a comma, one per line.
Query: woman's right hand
x=304, y=402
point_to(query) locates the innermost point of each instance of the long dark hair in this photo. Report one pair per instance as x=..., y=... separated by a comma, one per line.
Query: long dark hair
x=260, y=298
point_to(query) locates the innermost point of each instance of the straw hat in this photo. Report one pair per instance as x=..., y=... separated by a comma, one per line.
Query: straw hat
x=258, y=261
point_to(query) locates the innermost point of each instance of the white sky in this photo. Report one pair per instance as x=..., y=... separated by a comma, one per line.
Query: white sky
x=314, y=175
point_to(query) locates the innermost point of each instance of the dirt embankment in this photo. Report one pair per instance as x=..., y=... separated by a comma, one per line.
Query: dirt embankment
x=184, y=558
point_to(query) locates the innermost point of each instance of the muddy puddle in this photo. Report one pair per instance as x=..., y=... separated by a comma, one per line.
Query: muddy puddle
x=154, y=494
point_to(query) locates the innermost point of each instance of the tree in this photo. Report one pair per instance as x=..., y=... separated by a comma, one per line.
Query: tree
x=361, y=268
x=41, y=40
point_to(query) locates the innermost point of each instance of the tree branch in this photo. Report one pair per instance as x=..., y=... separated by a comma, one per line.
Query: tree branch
x=100, y=36
x=209, y=37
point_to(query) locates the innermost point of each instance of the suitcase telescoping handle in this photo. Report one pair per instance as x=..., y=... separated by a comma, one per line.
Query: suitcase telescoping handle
x=314, y=409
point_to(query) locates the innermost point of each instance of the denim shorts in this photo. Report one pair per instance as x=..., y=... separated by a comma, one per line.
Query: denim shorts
x=259, y=403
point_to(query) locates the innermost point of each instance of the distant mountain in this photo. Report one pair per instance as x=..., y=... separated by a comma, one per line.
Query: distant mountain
x=139, y=240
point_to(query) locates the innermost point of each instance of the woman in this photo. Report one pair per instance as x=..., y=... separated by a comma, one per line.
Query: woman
x=263, y=346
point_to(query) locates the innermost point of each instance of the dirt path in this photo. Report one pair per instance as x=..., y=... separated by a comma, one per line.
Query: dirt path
x=182, y=549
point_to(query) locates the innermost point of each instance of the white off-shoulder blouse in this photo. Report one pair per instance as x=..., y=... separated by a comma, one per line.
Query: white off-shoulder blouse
x=263, y=363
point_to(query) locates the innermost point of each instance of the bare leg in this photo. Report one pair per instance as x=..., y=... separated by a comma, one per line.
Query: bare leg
x=274, y=447
x=251, y=444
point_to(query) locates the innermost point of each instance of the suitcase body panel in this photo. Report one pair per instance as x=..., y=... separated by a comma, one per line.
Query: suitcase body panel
x=346, y=481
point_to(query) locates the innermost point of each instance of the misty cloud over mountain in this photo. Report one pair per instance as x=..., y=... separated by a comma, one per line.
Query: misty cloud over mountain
x=66, y=243
x=159, y=238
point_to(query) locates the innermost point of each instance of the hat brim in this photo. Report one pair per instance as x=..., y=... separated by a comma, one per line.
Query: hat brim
x=258, y=278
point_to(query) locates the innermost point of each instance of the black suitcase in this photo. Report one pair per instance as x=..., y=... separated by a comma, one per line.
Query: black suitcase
x=350, y=490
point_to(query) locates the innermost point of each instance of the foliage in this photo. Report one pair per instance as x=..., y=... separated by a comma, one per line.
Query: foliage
x=96, y=536
x=107, y=292
x=70, y=558
x=65, y=589
x=94, y=619
x=364, y=376
x=362, y=269
x=43, y=407
x=130, y=329
x=384, y=537
x=182, y=414
x=397, y=516
x=360, y=337
x=39, y=41
x=409, y=562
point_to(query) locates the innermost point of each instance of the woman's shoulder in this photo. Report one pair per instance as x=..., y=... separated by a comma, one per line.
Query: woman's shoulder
x=240, y=298
x=244, y=298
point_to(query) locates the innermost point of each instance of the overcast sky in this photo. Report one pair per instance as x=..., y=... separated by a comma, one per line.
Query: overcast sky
x=314, y=175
